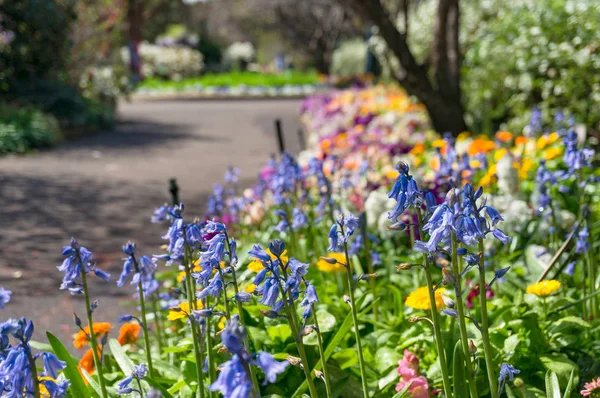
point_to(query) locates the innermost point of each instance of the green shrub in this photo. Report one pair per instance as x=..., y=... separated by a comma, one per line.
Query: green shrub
x=350, y=58
x=23, y=129
x=519, y=54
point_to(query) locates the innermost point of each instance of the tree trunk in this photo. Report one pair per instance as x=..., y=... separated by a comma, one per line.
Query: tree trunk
x=441, y=95
x=446, y=117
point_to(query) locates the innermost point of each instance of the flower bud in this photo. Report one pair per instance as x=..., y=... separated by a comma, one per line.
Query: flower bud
x=76, y=320
x=447, y=301
x=294, y=361
x=346, y=299
x=404, y=267
x=448, y=277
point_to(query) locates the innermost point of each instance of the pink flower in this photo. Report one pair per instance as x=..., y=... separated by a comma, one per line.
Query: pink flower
x=408, y=368
x=592, y=389
x=418, y=389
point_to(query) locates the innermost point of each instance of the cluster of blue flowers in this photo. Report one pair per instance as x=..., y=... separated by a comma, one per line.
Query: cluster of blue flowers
x=464, y=218
x=142, y=269
x=78, y=260
x=234, y=380
x=16, y=362
x=284, y=278
x=138, y=373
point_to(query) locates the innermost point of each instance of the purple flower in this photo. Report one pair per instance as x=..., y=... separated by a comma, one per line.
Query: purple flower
x=270, y=366
x=4, y=297
x=52, y=365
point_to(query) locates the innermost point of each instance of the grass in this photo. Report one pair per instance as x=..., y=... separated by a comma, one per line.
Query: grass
x=233, y=79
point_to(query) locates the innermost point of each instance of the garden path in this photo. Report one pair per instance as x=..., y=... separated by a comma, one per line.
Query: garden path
x=103, y=188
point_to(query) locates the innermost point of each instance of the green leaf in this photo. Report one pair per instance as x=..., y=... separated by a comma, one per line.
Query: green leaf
x=165, y=393
x=402, y=393
x=552, y=387
x=71, y=371
x=559, y=364
x=326, y=320
x=125, y=363
x=335, y=341
x=458, y=372
x=346, y=358
x=569, y=385
x=92, y=382
x=177, y=386
x=386, y=358
x=279, y=333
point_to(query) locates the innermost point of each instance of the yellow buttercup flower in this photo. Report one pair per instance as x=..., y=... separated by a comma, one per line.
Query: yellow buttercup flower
x=250, y=288
x=419, y=299
x=337, y=267
x=256, y=266
x=543, y=288
x=552, y=153
x=546, y=140
x=499, y=154
x=181, y=275
x=183, y=312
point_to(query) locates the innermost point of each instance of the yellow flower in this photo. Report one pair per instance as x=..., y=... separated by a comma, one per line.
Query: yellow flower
x=181, y=275
x=543, y=288
x=439, y=143
x=552, y=153
x=221, y=323
x=546, y=140
x=250, y=288
x=256, y=266
x=419, y=299
x=499, y=154
x=337, y=267
x=525, y=167
x=44, y=393
x=184, y=310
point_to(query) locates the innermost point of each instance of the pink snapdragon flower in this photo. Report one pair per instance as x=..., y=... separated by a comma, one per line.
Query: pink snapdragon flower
x=408, y=369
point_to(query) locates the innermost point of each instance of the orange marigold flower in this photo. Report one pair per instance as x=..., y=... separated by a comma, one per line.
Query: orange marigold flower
x=418, y=149
x=129, y=333
x=520, y=140
x=87, y=361
x=81, y=338
x=480, y=146
x=504, y=136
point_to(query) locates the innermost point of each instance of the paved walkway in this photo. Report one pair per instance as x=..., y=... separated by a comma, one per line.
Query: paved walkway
x=102, y=190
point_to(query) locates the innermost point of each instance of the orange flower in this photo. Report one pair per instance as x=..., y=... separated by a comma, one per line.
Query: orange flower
x=87, y=361
x=504, y=136
x=81, y=338
x=418, y=149
x=129, y=333
x=480, y=146
x=520, y=140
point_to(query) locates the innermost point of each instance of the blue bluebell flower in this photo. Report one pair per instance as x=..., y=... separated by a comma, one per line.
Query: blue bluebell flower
x=299, y=219
x=56, y=389
x=270, y=366
x=138, y=373
x=506, y=371
x=232, y=175
x=259, y=254
x=582, y=243
x=161, y=214
x=243, y=297
x=52, y=365
x=78, y=259
x=4, y=297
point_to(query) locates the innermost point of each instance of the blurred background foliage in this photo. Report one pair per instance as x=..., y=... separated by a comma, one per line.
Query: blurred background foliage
x=70, y=58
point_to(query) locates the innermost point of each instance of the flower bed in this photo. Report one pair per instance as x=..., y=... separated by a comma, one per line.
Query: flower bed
x=383, y=261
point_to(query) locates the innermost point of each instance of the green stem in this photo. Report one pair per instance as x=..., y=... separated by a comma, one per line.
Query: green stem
x=158, y=325
x=191, y=304
x=361, y=361
x=322, y=354
x=34, y=377
x=370, y=269
x=93, y=341
x=241, y=315
x=144, y=321
x=435, y=317
x=485, y=336
x=209, y=350
x=461, y=319
x=299, y=344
